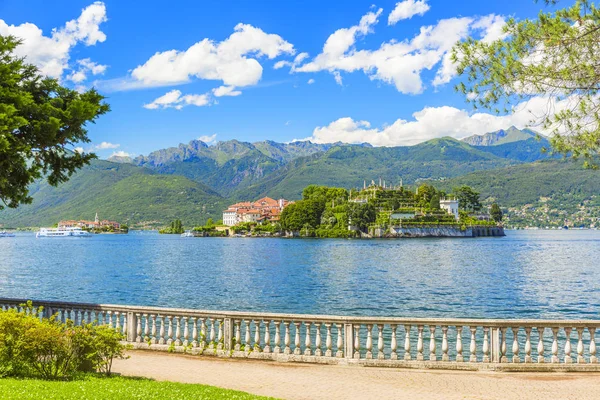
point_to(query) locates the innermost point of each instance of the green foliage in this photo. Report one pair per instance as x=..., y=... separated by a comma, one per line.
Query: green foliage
x=39, y=121
x=303, y=214
x=496, y=212
x=553, y=57
x=176, y=227
x=468, y=199
x=361, y=215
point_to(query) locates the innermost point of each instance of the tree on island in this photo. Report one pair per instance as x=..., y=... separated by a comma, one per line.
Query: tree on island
x=361, y=215
x=553, y=59
x=468, y=199
x=40, y=122
x=496, y=213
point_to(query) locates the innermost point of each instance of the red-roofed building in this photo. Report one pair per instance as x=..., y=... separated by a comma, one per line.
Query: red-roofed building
x=265, y=209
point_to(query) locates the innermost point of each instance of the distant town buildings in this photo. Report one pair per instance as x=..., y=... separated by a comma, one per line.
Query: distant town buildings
x=265, y=209
x=95, y=224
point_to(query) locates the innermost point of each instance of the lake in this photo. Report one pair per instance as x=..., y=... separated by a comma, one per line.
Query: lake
x=527, y=274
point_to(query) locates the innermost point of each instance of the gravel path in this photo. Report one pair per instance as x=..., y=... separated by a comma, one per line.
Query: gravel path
x=306, y=381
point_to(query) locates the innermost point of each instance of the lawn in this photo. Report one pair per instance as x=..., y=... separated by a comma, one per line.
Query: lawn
x=96, y=387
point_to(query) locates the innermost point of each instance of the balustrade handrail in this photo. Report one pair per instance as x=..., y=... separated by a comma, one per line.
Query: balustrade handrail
x=492, y=323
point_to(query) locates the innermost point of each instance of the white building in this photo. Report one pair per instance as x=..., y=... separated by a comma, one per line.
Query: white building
x=229, y=217
x=451, y=206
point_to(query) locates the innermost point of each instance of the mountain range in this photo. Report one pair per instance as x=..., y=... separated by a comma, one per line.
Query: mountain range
x=196, y=181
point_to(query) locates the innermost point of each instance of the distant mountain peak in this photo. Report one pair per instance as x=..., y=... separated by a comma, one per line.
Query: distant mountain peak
x=502, y=136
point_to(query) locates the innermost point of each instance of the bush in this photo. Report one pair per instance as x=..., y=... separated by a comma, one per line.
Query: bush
x=43, y=347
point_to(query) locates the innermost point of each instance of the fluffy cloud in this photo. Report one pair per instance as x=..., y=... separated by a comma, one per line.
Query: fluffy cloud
x=120, y=154
x=207, y=138
x=106, y=145
x=311, y=81
x=226, y=91
x=86, y=66
x=400, y=62
x=174, y=99
x=434, y=122
x=407, y=9
x=51, y=53
x=232, y=61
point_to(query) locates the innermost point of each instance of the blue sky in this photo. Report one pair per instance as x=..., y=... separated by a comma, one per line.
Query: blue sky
x=166, y=68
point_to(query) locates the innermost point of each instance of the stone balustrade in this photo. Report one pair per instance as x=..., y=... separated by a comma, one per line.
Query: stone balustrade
x=397, y=342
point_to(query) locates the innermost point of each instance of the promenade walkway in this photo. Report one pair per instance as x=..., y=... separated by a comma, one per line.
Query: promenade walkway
x=309, y=381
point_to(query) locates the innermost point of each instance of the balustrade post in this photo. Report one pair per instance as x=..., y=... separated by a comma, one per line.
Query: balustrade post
x=161, y=339
x=138, y=337
x=420, y=346
x=130, y=326
x=267, y=348
x=286, y=338
x=394, y=343
x=459, y=344
x=186, y=331
x=593, y=359
x=340, y=342
x=473, y=344
x=555, y=359
x=177, y=331
x=369, y=354
x=247, y=344
x=195, y=333
x=220, y=344
x=212, y=333
x=528, y=344
x=357, y=341
x=318, y=351
x=203, y=337
x=432, y=355
x=445, y=356
x=297, y=350
x=568, y=359
x=257, y=334
x=227, y=334
x=496, y=345
x=407, y=356
x=170, y=330
x=380, y=355
x=117, y=321
x=238, y=335
x=328, y=341
x=277, y=348
x=580, y=359
x=486, y=345
x=515, y=346
x=503, y=359
x=540, y=347
x=307, y=342
x=147, y=328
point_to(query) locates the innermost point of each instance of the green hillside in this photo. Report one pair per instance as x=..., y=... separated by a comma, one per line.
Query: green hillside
x=121, y=192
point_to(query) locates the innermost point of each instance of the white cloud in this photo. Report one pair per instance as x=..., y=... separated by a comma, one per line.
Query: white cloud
x=232, y=61
x=434, y=122
x=208, y=139
x=106, y=145
x=174, y=99
x=120, y=154
x=79, y=150
x=407, y=9
x=311, y=81
x=399, y=62
x=226, y=91
x=51, y=53
x=86, y=66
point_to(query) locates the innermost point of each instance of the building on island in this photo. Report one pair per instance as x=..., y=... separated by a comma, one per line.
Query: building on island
x=95, y=224
x=265, y=209
x=451, y=206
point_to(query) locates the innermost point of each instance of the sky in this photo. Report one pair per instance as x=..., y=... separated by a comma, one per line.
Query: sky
x=325, y=71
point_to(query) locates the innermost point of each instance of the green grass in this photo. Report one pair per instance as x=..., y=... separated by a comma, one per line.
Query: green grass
x=95, y=387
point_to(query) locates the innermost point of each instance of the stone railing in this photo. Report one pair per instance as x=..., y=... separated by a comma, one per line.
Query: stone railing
x=396, y=342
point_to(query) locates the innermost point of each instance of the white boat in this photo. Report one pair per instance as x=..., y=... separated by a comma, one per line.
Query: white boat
x=187, y=234
x=6, y=234
x=62, y=232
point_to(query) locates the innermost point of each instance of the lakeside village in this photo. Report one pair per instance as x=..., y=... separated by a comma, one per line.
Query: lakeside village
x=375, y=211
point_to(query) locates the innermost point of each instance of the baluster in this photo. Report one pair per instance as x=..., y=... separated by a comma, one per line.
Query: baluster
x=580, y=359
x=238, y=335
x=593, y=359
x=286, y=339
x=369, y=341
x=407, y=356
x=177, y=331
x=220, y=344
x=503, y=359
x=162, y=339
x=194, y=332
x=420, y=346
x=528, y=344
x=318, y=351
x=297, y=349
x=75, y=317
x=486, y=345
x=432, y=356
x=124, y=330
x=117, y=321
x=515, y=346
x=267, y=348
x=555, y=358
x=540, y=347
x=328, y=342
x=380, y=355
x=340, y=342
x=146, y=328
x=110, y=318
x=394, y=343
x=203, y=336
x=459, y=344
x=153, y=332
x=138, y=330
x=277, y=349
x=568, y=359
x=186, y=331
x=212, y=333
x=307, y=342
x=170, y=330
x=445, y=356
x=256, y=334
x=473, y=344
x=356, y=341
x=247, y=344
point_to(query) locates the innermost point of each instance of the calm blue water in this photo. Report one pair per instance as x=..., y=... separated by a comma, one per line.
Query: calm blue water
x=541, y=274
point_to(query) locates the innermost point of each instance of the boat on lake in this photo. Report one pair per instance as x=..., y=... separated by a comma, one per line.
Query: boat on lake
x=62, y=232
x=6, y=234
x=187, y=234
